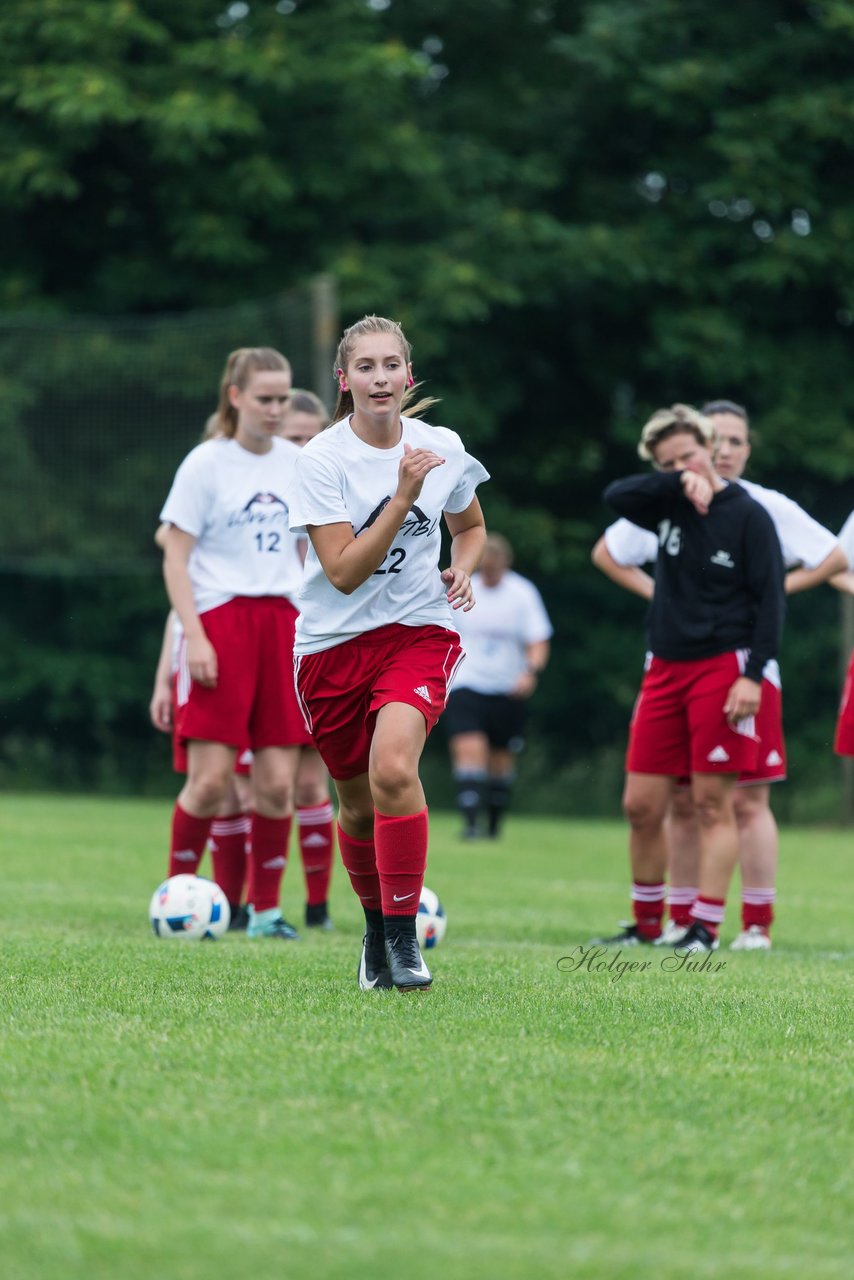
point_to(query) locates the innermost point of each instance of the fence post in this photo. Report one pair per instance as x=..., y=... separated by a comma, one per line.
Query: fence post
x=324, y=336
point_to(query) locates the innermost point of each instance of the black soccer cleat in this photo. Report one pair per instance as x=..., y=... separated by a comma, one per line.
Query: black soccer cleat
x=239, y=917
x=698, y=938
x=627, y=937
x=317, y=916
x=405, y=962
x=373, y=969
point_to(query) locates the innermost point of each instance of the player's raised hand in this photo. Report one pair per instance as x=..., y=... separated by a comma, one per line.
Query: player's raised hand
x=698, y=491
x=415, y=466
x=460, y=594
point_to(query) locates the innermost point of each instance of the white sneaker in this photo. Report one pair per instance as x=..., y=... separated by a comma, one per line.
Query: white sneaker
x=753, y=939
x=671, y=934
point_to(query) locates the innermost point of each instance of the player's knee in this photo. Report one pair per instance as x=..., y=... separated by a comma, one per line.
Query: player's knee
x=391, y=777
x=276, y=795
x=357, y=819
x=310, y=794
x=713, y=808
x=209, y=789
x=749, y=808
x=642, y=813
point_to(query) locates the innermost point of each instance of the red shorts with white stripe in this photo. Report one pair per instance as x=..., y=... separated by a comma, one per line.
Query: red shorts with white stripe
x=678, y=725
x=771, y=760
x=844, y=741
x=342, y=689
x=253, y=704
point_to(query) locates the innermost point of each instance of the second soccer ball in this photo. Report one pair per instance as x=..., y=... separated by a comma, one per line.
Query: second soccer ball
x=431, y=921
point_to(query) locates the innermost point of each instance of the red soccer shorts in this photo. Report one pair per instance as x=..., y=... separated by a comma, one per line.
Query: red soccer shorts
x=678, y=726
x=242, y=765
x=771, y=757
x=254, y=704
x=844, y=742
x=342, y=689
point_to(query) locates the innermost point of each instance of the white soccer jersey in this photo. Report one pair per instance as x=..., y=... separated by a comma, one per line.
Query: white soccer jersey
x=505, y=619
x=342, y=480
x=802, y=539
x=233, y=503
x=630, y=545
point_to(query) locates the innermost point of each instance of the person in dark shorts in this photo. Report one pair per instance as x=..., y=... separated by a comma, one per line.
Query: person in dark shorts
x=507, y=640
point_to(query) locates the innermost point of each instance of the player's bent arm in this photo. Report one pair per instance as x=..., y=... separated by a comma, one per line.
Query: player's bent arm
x=537, y=656
x=536, y=660
x=160, y=536
x=468, y=540
x=349, y=561
x=630, y=577
x=843, y=582
x=802, y=579
x=201, y=655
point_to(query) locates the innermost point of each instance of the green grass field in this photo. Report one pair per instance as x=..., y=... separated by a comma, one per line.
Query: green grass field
x=241, y=1109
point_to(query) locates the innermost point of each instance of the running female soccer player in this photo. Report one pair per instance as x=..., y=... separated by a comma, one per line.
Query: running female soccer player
x=376, y=648
x=232, y=571
x=715, y=621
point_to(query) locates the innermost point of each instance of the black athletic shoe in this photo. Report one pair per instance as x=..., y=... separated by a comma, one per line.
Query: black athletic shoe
x=405, y=962
x=317, y=916
x=628, y=937
x=698, y=938
x=239, y=917
x=373, y=969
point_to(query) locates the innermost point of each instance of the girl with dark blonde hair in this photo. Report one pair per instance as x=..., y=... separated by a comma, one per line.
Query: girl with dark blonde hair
x=376, y=648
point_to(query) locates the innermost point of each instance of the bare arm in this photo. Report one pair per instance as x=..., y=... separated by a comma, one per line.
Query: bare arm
x=201, y=655
x=836, y=563
x=349, y=561
x=160, y=707
x=843, y=582
x=468, y=539
x=630, y=577
x=536, y=660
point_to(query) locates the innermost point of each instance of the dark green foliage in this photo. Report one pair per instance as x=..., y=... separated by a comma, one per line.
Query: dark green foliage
x=579, y=209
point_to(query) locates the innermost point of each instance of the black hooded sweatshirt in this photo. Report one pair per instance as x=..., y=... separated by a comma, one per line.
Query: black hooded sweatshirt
x=718, y=577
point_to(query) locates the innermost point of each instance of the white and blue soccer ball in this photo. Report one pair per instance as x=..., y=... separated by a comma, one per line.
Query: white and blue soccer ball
x=189, y=907
x=431, y=921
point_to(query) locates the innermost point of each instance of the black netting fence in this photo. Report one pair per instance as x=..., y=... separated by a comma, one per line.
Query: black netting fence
x=97, y=412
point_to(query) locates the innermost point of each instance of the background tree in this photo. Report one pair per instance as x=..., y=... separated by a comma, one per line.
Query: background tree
x=579, y=210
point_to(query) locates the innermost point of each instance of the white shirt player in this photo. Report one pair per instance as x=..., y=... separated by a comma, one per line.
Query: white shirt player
x=802, y=539
x=341, y=479
x=506, y=618
x=232, y=501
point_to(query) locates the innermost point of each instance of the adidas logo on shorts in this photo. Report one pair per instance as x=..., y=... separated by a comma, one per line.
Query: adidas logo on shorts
x=423, y=692
x=773, y=757
x=718, y=756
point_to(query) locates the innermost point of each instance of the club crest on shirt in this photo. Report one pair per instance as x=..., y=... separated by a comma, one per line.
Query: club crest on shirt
x=417, y=523
x=262, y=508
